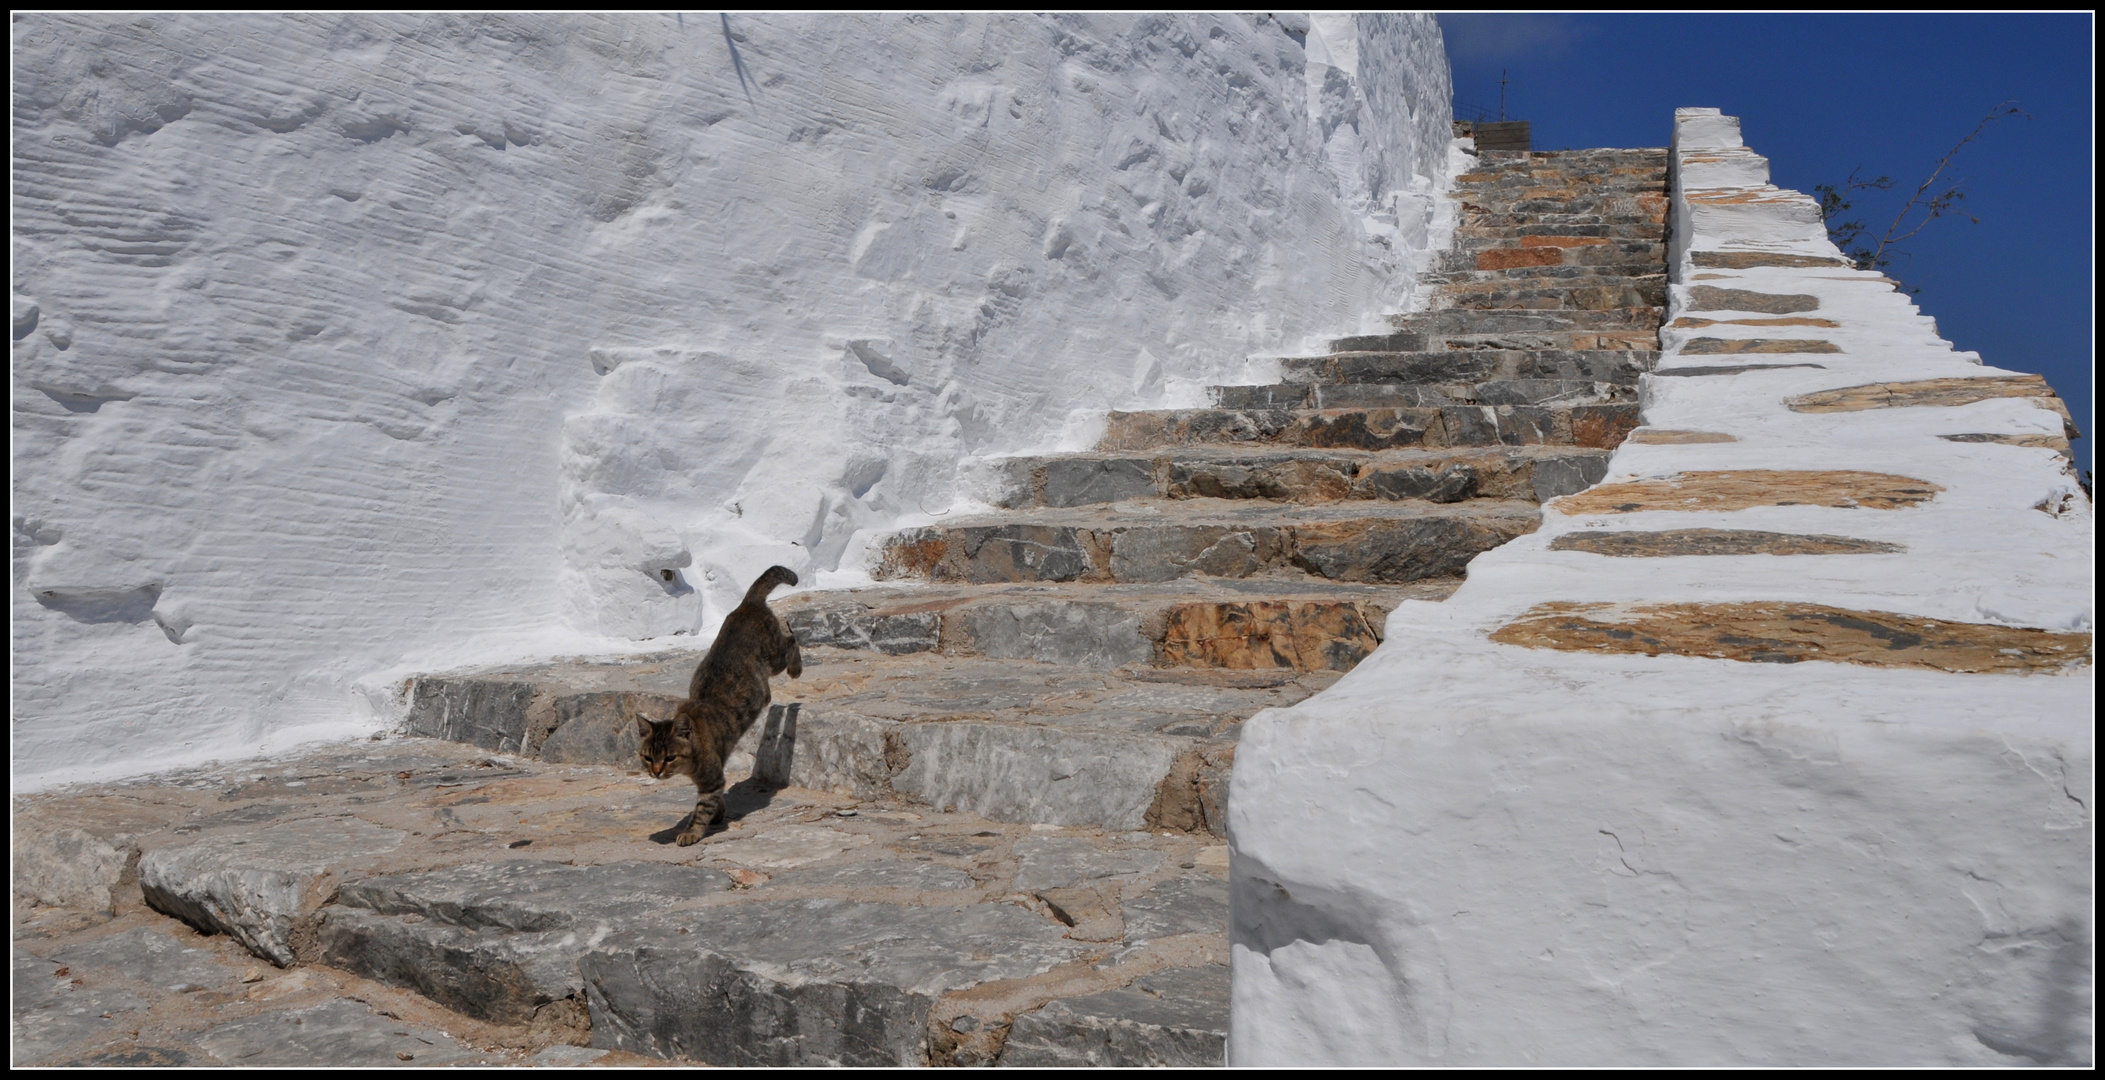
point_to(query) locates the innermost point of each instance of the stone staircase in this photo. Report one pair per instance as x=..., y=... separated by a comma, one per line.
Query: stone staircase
x=1069, y=672
x=1259, y=544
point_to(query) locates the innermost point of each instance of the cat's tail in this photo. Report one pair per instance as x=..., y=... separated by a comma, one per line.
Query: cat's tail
x=766, y=582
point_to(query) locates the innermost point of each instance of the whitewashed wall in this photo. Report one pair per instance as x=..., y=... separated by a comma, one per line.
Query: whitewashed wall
x=348, y=346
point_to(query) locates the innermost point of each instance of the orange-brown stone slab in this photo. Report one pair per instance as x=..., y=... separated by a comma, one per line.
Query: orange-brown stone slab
x=1312, y=636
x=2042, y=442
x=1674, y=437
x=1561, y=241
x=1671, y=542
x=1939, y=392
x=1710, y=298
x=1510, y=258
x=1783, y=632
x=1601, y=429
x=1726, y=369
x=1748, y=260
x=1710, y=346
x=1690, y=322
x=1742, y=488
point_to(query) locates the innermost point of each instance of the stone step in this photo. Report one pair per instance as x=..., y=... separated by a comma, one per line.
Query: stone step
x=1632, y=249
x=1480, y=222
x=1480, y=365
x=1496, y=322
x=1547, y=158
x=419, y=887
x=1598, y=426
x=815, y=980
x=1605, y=167
x=1397, y=342
x=1597, y=176
x=855, y=957
x=1546, y=266
x=1003, y=738
x=1504, y=296
x=1604, y=208
x=1060, y=480
x=1404, y=394
x=1579, y=182
x=1229, y=623
x=1146, y=541
x=1641, y=340
x=1480, y=235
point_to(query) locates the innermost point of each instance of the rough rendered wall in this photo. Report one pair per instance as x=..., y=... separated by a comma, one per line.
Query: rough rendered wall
x=346, y=345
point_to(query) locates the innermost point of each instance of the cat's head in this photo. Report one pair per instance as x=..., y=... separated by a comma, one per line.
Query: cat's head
x=662, y=744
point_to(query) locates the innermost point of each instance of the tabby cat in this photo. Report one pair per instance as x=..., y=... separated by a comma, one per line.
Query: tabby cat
x=729, y=691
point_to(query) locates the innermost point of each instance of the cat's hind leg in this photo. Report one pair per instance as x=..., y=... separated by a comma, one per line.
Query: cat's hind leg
x=709, y=798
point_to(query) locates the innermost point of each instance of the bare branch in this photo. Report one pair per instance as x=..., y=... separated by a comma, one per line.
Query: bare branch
x=1936, y=207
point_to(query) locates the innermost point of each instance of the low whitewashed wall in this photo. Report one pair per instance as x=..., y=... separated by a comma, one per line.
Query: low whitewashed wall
x=350, y=345
x=1471, y=853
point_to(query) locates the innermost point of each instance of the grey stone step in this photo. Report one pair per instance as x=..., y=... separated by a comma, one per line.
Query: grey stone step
x=1590, y=180
x=1615, y=293
x=1434, y=323
x=792, y=972
x=1598, y=426
x=1168, y=1019
x=1472, y=237
x=1571, y=266
x=1237, y=624
x=1586, y=182
x=809, y=982
x=1617, y=209
x=1565, y=273
x=1303, y=395
x=1475, y=222
x=1058, y=480
x=528, y=903
x=1402, y=341
x=1550, y=162
x=1592, y=169
x=1593, y=250
x=1520, y=282
x=1598, y=157
x=1009, y=740
x=1478, y=365
x=1132, y=542
x=1639, y=340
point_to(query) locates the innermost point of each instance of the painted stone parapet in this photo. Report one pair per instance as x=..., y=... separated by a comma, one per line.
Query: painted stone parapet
x=1774, y=748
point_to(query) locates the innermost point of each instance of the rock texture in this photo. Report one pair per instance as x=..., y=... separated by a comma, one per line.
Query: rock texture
x=538, y=912
x=1721, y=491
x=1670, y=542
x=1920, y=393
x=1780, y=633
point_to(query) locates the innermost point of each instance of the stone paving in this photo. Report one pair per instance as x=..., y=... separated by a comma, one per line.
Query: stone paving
x=1002, y=839
x=437, y=904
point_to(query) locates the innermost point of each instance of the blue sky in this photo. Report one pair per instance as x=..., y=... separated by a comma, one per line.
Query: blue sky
x=1821, y=95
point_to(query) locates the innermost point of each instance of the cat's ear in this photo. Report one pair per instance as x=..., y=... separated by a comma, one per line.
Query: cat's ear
x=643, y=726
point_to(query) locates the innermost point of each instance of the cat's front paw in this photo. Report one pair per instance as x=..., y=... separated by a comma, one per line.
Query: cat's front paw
x=689, y=838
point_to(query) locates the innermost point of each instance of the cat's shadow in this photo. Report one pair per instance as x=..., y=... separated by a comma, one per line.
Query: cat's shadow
x=740, y=799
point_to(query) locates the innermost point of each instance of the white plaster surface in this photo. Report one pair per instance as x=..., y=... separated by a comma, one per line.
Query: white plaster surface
x=1476, y=854
x=350, y=346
